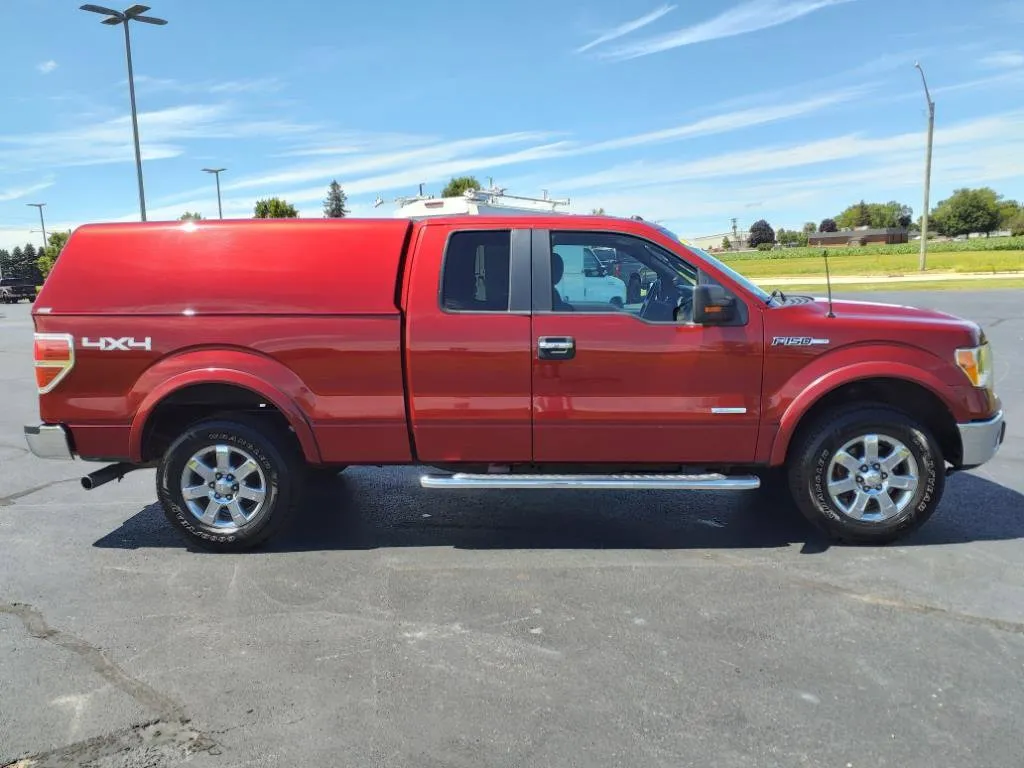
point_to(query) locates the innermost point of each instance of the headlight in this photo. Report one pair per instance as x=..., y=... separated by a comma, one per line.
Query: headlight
x=976, y=362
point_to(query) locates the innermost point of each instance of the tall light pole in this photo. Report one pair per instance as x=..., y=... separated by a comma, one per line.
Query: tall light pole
x=922, y=261
x=216, y=172
x=42, y=224
x=123, y=17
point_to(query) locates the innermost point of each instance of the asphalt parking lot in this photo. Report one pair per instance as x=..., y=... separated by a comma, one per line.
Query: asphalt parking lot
x=398, y=626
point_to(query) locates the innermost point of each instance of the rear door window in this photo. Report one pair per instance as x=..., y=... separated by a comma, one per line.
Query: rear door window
x=476, y=275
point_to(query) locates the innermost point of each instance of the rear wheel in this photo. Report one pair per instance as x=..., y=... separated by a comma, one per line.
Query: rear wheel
x=867, y=474
x=229, y=484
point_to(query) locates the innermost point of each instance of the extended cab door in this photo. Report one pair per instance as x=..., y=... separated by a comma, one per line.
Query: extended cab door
x=640, y=382
x=468, y=342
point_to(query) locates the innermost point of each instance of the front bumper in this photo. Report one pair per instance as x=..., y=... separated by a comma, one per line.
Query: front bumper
x=981, y=439
x=49, y=441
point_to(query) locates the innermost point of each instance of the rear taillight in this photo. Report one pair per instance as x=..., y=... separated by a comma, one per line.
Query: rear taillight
x=54, y=356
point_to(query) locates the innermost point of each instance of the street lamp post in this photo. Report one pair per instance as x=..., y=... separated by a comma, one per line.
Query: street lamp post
x=123, y=17
x=922, y=261
x=42, y=224
x=216, y=172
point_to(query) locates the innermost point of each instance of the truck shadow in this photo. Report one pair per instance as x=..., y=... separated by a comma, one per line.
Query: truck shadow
x=357, y=511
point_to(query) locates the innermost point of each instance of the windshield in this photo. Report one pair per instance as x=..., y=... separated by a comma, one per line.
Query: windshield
x=761, y=293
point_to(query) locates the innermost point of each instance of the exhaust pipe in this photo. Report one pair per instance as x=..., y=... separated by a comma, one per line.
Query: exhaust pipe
x=108, y=473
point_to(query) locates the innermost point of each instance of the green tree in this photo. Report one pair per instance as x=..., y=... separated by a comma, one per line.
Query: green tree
x=5, y=262
x=828, y=225
x=967, y=211
x=334, y=203
x=274, y=208
x=597, y=212
x=791, y=237
x=890, y=215
x=875, y=215
x=23, y=264
x=190, y=216
x=48, y=258
x=1009, y=210
x=810, y=228
x=726, y=244
x=1016, y=225
x=857, y=215
x=760, y=232
x=458, y=186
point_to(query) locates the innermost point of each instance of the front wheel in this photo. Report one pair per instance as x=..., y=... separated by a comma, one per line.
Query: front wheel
x=867, y=474
x=228, y=484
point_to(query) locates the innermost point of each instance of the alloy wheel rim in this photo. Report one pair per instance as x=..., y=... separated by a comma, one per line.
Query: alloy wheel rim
x=224, y=487
x=872, y=478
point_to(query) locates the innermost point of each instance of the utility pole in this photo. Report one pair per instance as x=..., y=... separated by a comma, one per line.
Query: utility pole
x=216, y=172
x=113, y=19
x=42, y=224
x=923, y=260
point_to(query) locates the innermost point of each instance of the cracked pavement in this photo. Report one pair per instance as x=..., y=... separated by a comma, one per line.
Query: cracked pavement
x=398, y=626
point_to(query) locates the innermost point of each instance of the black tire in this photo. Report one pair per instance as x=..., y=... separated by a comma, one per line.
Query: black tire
x=809, y=473
x=278, y=459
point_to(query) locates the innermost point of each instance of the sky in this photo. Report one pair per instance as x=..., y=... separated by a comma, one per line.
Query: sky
x=686, y=113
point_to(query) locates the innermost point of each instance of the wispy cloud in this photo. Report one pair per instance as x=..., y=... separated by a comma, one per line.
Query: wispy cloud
x=46, y=67
x=355, y=142
x=1003, y=60
x=775, y=158
x=729, y=121
x=627, y=27
x=747, y=17
x=109, y=141
x=7, y=195
x=1012, y=76
x=255, y=85
x=149, y=84
x=370, y=164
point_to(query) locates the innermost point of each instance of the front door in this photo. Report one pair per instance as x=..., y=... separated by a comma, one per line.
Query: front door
x=639, y=383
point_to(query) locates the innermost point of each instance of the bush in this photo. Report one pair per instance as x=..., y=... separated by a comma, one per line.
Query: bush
x=765, y=246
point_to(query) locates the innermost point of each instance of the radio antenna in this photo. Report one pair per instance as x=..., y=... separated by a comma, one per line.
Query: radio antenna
x=828, y=282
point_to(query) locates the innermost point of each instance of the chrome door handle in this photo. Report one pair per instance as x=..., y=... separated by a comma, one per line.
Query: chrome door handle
x=556, y=348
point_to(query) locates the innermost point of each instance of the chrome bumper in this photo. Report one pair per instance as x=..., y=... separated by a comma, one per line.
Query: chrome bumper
x=981, y=440
x=48, y=441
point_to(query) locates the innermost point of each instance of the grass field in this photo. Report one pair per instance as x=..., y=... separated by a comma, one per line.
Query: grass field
x=882, y=263
x=904, y=249
x=819, y=289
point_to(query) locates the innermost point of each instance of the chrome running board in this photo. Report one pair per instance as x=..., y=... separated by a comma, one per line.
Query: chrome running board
x=709, y=482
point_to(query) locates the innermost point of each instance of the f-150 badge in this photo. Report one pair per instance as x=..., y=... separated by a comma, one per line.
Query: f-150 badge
x=123, y=344
x=796, y=341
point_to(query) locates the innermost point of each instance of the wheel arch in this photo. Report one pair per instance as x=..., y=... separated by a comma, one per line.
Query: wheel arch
x=218, y=383
x=900, y=386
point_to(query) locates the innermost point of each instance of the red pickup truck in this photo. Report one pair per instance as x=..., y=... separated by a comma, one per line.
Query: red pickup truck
x=243, y=358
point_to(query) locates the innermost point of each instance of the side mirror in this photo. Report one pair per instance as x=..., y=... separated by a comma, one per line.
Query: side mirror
x=713, y=305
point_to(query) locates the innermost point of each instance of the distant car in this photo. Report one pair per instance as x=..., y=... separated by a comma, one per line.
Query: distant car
x=585, y=279
x=637, y=277
x=13, y=290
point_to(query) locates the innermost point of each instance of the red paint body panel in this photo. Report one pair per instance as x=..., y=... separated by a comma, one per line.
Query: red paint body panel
x=338, y=324
x=254, y=267
x=468, y=373
x=643, y=392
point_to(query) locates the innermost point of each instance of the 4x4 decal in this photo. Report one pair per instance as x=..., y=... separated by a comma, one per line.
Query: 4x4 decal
x=123, y=344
